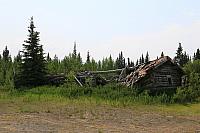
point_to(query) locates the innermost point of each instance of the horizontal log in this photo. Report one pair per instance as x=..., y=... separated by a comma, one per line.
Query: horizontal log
x=112, y=71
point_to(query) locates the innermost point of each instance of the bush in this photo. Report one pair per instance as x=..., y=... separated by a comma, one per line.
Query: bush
x=191, y=92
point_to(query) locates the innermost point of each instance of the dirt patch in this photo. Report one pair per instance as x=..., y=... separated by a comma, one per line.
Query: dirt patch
x=100, y=119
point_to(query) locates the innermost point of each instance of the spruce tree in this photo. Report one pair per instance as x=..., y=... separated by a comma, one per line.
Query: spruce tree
x=179, y=55
x=99, y=65
x=162, y=54
x=197, y=55
x=79, y=58
x=74, y=55
x=33, y=66
x=110, y=64
x=5, y=63
x=48, y=58
x=137, y=63
x=185, y=58
x=147, y=57
x=120, y=61
x=129, y=63
x=142, y=59
x=88, y=57
x=132, y=64
x=6, y=54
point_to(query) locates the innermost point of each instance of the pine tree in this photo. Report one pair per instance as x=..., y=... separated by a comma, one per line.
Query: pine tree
x=5, y=63
x=74, y=55
x=33, y=66
x=132, y=64
x=99, y=65
x=120, y=61
x=179, y=55
x=142, y=59
x=162, y=54
x=48, y=58
x=6, y=54
x=185, y=58
x=129, y=63
x=194, y=57
x=110, y=64
x=88, y=57
x=137, y=63
x=79, y=58
x=147, y=57
x=197, y=55
x=55, y=64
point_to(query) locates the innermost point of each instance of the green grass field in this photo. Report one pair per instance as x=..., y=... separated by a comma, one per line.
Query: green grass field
x=48, y=98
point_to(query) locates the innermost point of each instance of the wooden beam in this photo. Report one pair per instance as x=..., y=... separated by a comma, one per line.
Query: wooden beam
x=111, y=71
x=78, y=81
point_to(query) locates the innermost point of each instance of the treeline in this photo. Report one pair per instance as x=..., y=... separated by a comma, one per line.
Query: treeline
x=31, y=65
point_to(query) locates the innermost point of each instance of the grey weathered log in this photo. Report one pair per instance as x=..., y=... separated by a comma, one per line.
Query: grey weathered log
x=111, y=71
x=78, y=81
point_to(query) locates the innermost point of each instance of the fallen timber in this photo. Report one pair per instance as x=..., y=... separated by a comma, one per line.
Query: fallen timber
x=56, y=79
x=94, y=78
x=112, y=71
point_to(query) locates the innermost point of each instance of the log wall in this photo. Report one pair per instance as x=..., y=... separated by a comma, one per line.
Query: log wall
x=167, y=75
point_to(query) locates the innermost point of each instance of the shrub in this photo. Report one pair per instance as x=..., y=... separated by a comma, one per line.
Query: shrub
x=190, y=93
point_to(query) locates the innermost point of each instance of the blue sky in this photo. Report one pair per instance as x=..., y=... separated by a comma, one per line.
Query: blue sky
x=103, y=26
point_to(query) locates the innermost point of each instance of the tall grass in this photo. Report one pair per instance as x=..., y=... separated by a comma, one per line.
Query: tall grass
x=116, y=95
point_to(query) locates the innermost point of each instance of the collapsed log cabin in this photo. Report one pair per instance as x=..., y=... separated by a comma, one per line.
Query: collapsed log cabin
x=158, y=74
x=89, y=78
x=95, y=78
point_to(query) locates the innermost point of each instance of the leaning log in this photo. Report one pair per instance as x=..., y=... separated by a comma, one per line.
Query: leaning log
x=78, y=81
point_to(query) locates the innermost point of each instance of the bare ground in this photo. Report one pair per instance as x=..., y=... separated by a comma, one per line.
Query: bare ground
x=97, y=119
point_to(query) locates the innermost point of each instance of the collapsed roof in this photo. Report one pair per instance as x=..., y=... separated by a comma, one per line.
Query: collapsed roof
x=144, y=69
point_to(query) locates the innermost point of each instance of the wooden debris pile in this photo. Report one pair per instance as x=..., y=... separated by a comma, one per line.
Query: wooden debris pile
x=95, y=78
x=56, y=79
x=90, y=78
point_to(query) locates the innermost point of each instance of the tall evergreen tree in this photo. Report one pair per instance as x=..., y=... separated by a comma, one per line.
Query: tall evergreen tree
x=185, y=58
x=179, y=55
x=162, y=54
x=137, y=63
x=74, y=55
x=6, y=54
x=110, y=64
x=132, y=64
x=88, y=57
x=33, y=66
x=197, y=55
x=142, y=59
x=99, y=65
x=120, y=61
x=55, y=64
x=147, y=57
x=5, y=63
x=129, y=62
x=79, y=58
x=48, y=58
